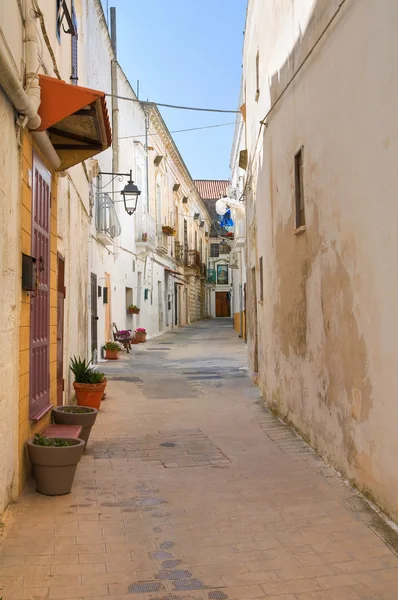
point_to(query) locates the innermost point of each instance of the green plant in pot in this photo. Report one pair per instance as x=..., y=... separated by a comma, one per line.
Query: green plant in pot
x=83, y=416
x=112, y=350
x=54, y=462
x=89, y=384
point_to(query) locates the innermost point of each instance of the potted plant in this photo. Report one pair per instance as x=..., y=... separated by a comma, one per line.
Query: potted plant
x=112, y=350
x=133, y=309
x=89, y=385
x=168, y=230
x=54, y=463
x=84, y=416
x=140, y=334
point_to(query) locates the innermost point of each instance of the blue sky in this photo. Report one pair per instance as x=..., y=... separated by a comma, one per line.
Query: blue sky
x=187, y=52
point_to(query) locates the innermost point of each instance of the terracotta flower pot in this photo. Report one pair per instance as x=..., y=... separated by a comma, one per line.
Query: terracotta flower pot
x=84, y=419
x=54, y=468
x=89, y=394
x=134, y=340
x=141, y=337
x=133, y=311
x=112, y=354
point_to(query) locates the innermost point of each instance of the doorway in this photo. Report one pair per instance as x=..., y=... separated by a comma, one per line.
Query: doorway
x=40, y=301
x=254, y=317
x=160, y=305
x=176, y=304
x=94, y=314
x=223, y=304
x=108, y=326
x=60, y=329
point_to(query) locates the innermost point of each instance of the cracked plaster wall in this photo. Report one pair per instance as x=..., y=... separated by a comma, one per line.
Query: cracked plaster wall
x=327, y=326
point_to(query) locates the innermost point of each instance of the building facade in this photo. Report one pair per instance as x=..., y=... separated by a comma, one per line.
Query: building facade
x=72, y=259
x=220, y=274
x=319, y=104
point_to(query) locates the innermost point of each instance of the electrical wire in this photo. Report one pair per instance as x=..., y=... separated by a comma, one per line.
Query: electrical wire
x=178, y=131
x=214, y=110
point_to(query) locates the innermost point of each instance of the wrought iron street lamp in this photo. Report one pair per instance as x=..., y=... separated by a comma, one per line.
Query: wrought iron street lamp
x=130, y=192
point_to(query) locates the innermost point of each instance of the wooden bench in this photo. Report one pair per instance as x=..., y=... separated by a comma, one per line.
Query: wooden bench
x=62, y=431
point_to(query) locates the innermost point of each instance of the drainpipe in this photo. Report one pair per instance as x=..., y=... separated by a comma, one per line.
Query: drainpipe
x=27, y=102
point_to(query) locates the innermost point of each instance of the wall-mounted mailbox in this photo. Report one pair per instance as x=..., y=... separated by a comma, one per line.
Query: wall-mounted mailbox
x=29, y=270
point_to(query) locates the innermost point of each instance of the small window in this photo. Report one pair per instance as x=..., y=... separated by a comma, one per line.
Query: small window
x=105, y=295
x=257, y=76
x=299, y=189
x=214, y=250
x=261, y=279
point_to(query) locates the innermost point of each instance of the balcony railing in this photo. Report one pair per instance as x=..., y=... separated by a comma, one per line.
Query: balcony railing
x=107, y=223
x=178, y=252
x=162, y=242
x=194, y=259
x=145, y=229
x=211, y=276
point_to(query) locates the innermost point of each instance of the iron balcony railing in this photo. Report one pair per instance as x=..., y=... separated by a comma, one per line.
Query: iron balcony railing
x=178, y=252
x=194, y=259
x=162, y=241
x=106, y=219
x=211, y=276
x=145, y=229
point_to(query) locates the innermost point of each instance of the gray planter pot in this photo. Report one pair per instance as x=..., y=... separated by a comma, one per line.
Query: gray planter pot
x=85, y=420
x=54, y=468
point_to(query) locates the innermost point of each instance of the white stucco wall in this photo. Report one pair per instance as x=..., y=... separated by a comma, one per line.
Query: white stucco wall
x=326, y=328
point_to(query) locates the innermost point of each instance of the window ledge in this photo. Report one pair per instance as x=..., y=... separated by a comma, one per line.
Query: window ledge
x=299, y=230
x=41, y=413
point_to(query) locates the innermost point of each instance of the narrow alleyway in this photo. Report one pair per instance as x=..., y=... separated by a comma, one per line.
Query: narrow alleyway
x=191, y=490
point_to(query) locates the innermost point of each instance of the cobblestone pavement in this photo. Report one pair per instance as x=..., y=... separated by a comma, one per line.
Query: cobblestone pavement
x=190, y=490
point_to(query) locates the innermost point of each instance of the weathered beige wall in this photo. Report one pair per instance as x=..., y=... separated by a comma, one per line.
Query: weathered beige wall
x=10, y=285
x=327, y=326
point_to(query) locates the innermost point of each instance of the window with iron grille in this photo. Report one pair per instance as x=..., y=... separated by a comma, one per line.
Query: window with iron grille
x=74, y=59
x=261, y=278
x=299, y=188
x=214, y=250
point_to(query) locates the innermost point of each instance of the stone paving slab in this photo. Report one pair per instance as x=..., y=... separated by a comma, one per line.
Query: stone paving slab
x=190, y=490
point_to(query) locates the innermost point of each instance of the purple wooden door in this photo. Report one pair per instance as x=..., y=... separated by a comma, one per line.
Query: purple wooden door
x=40, y=302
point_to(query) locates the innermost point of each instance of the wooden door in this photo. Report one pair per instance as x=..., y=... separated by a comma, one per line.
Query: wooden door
x=40, y=302
x=60, y=329
x=222, y=304
x=94, y=313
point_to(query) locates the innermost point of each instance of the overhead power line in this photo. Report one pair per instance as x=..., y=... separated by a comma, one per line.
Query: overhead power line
x=215, y=110
x=126, y=137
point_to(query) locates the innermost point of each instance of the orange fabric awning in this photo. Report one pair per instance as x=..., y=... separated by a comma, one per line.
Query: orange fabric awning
x=76, y=119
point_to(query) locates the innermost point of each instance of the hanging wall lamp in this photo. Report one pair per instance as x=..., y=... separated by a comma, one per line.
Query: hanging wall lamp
x=130, y=192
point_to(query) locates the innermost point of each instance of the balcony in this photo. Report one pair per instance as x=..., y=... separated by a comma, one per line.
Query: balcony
x=179, y=252
x=162, y=245
x=211, y=276
x=145, y=230
x=107, y=223
x=194, y=259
